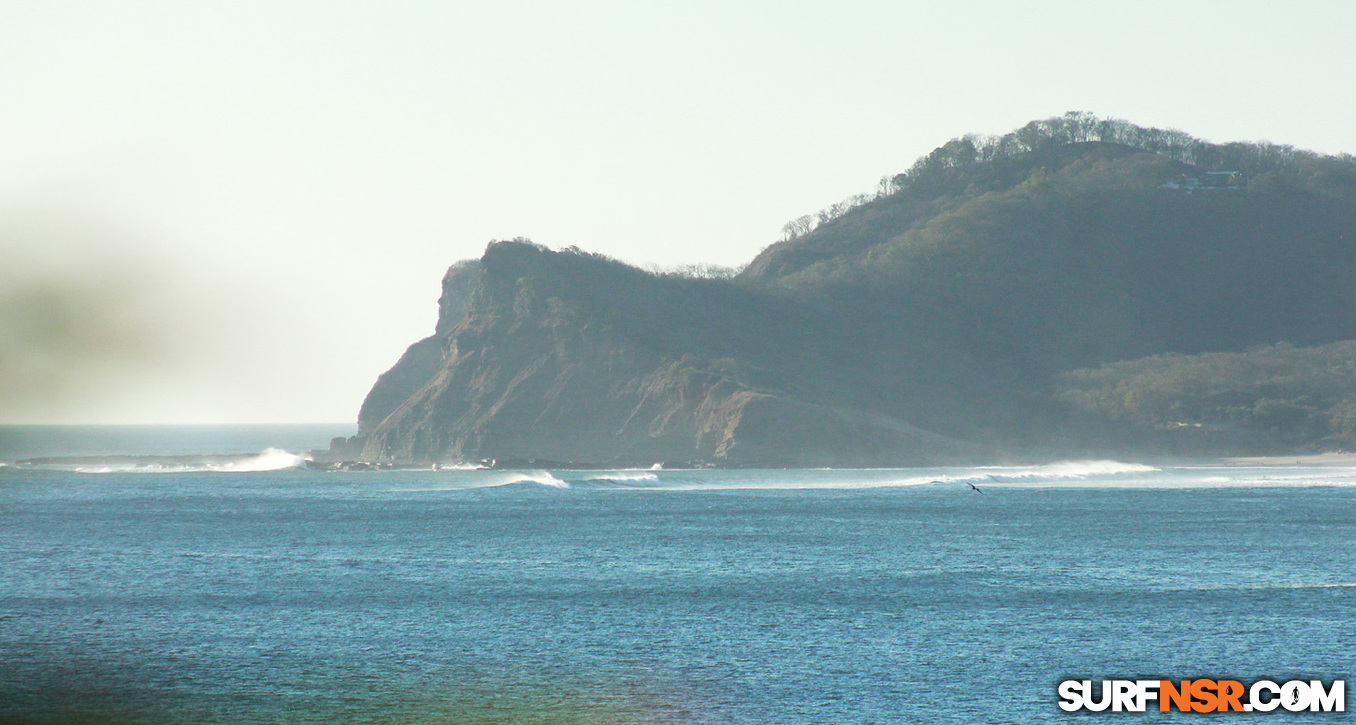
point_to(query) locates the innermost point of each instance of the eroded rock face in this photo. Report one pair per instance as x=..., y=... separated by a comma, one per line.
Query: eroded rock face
x=423, y=359
x=416, y=367
x=545, y=365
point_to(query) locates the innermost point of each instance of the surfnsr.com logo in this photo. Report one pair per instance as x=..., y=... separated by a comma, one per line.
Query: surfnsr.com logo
x=1203, y=695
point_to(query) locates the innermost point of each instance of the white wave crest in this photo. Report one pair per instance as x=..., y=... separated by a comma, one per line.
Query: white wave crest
x=541, y=478
x=621, y=476
x=271, y=459
x=459, y=467
x=1065, y=470
x=1061, y=473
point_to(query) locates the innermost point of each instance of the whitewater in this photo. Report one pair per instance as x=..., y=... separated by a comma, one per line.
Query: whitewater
x=1058, y=474
x=164, y=582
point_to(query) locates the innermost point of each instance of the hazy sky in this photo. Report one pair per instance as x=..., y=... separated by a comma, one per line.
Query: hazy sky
x=240, y=212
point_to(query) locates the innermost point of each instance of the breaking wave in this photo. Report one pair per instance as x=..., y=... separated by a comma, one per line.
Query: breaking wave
x=511, y=478
x=621, y=476
x=1066, y=470
x=271, y=459
x=1061, y=473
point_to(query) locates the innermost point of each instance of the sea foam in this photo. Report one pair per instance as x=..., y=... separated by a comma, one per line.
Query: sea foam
x=541, y=478
x=271, y=459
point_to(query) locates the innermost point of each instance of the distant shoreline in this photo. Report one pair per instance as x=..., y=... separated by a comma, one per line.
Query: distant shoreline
x=1330, y=458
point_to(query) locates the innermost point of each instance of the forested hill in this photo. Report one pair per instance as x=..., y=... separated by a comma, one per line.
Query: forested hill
x=1049, y=251
x=943, y=316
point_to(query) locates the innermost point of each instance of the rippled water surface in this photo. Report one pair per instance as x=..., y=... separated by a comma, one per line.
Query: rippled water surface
x=660, y=596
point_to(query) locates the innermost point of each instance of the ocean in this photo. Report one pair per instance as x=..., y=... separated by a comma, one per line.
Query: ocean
x=250, y=589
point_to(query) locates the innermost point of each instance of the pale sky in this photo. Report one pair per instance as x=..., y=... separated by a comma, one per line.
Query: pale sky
x=244, y=208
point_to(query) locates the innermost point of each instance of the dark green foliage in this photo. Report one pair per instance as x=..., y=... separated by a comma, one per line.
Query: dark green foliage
x=1061, y=245
x=1296, y=396
x=971, y=165
x=1046, y=256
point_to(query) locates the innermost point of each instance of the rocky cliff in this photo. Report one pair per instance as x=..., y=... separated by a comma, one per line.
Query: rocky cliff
x=574, y=358
x=423, y=359
x=941, y=320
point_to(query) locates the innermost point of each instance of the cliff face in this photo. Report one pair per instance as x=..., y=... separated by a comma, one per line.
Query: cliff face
x=550, y=363
x=936, y=323
x=423, y=359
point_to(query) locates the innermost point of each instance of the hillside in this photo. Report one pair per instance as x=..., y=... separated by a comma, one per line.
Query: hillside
x=1272, y=399
x=936, y=320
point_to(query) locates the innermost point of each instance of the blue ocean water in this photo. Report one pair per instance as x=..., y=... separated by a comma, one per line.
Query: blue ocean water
x=685, y=596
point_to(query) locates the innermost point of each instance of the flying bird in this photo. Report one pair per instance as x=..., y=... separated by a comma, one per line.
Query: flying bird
x=971, y=485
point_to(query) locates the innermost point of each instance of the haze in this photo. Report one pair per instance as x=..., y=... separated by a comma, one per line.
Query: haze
x=240, y=212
